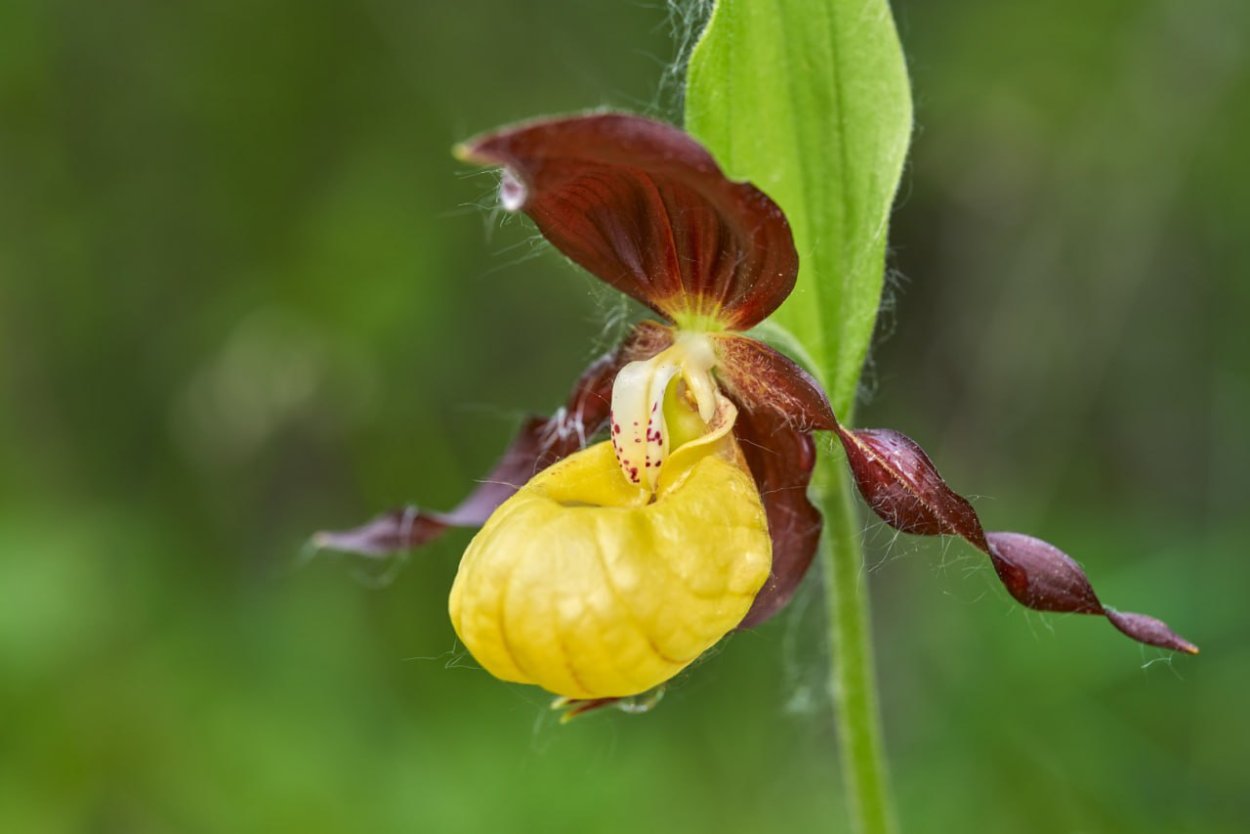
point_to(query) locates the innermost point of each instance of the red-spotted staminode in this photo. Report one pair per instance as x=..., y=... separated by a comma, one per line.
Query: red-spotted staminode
x=603, y=569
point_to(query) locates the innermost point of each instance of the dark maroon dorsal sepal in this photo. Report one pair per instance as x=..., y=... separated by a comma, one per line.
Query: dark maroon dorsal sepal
x=644, y=207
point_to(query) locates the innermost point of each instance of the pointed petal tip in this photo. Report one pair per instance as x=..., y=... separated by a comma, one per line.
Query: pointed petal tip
x=1151, y=631
x=470, y=152
x=571, y=708
x=321, y=540
x=384, y=535
x=1184, y=646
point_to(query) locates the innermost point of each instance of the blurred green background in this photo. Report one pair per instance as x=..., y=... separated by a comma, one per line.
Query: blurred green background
x=245, y=293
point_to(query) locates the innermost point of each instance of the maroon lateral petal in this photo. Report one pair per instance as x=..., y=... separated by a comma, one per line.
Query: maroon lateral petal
x=781, y=458
x=540, y=443
x=645, y=207
x=903, y=487
x=760, y=377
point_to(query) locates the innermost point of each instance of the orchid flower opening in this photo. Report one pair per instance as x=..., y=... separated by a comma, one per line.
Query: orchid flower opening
x=603, y=569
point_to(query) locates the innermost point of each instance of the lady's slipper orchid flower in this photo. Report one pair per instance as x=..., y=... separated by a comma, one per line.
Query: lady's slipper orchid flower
x=603, y=570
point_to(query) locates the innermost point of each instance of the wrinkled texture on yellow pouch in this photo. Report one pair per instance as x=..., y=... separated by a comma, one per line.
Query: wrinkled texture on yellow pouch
x=582, y=585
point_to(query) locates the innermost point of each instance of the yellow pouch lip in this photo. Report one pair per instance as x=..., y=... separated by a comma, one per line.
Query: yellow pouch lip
x=622, y=614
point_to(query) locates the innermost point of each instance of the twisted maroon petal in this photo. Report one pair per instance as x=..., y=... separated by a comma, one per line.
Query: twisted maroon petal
x=540, y=443
x=903, y=487
x=760, y=377
x=780, y=457
x=645, y=208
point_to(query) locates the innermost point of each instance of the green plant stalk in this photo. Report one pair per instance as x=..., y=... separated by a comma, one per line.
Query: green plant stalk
x=809, y=100
x=853, y=678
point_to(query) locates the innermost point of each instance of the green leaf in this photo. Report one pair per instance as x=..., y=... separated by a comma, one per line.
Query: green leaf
x=809, y=100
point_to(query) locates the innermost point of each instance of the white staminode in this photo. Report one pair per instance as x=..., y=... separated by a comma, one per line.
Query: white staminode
x=640, y=433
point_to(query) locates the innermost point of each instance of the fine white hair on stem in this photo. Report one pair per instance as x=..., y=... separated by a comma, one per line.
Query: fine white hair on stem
x=686, y=21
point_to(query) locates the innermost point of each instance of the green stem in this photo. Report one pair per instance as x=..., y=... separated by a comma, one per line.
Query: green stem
x=853, y=678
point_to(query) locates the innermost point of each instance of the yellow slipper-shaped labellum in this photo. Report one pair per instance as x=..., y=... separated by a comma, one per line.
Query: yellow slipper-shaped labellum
x=591, y=586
